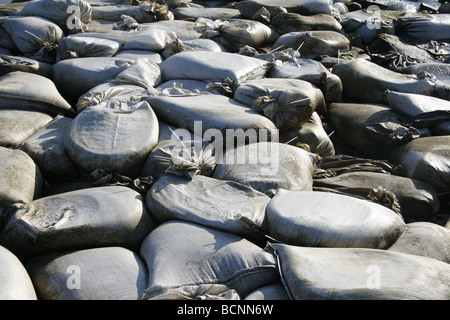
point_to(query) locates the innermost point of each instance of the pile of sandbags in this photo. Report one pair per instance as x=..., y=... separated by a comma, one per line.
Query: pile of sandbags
x=220, y=150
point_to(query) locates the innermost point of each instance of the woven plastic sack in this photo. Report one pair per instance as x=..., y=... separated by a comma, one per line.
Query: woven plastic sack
x=87, y=218
x=109, y=273
x=79, y=47
x=112, y=136
x=229, y=269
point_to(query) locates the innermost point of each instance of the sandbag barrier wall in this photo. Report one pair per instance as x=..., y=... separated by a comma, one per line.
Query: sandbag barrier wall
x=97, y=202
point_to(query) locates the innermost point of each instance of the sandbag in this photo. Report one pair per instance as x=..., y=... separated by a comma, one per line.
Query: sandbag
x=21, y=180
x=421, y=111
x=110, y=91
x=365, y=81
x=82, y=219
x=28, y=91
x=16, y=283
x=143, y=12
x=229, y=269
x=34, y=37
x=185, y=86
x=288, y=103
x=391, y=51
x=311, y=71
x=79, y=47
x=213, y=67
x=286, y=22
x=418, y=200
x=373, y=129
x=274, y=291
x=18, y=125
x=70, y=15
x=109, y=273
x=312, y=44
x=74, y=77
x=180, y=28
x=323, y=219
x=153, y=39
x=236, y=33
x=360, y=274
x=310, y=136
x=179, y=152
x=426, y=159
x=143, y=72
x=138, y=54
x=218, y=204
x=212, y=115
x=250, y=8
x=424, y=239
x=175, y=46
x=112, y=136
x=213, y=13
x=267, y=167
x=46, y=147
x=424, y=27
x=10, y=63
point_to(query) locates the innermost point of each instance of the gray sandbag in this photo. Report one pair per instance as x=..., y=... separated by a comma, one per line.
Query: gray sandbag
x=267, y=167
x=311, y=136
x=421, y=110
x=143, y=72
x=212, y=13
x=185, y=86
x=16, y=283
x=18, y=125
x=311, y=71
x=79, y=47
x=35, y=37
x=361, y=274
x=424, y=239
x=179, y=152
x=46, y=147
x=373, y=129
x=74, y=77
x=426, y=159
x=312, y=44
x=213, y=67
x=110, y=91
x=70, y=15
x=424, y=27
x=236, y=33
x=212, y=115
x=152, y=39
x=438, y=71
x=288, y=103
x=109, y=273
x=112, y=136
x=251, y=8
x=418, y=200
x=366, y=81
x=286, y=22
x=10, y=63
x=29, y=91
x=324, y=219
x=393, y=52
x=214, y=203
x=142, y=13
x=274, y=291
x=182, y=29
x=81, y=219
x=6, y=42
x=175, y=46
x=216, y=265
x=21, y=180
x=138, y=54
